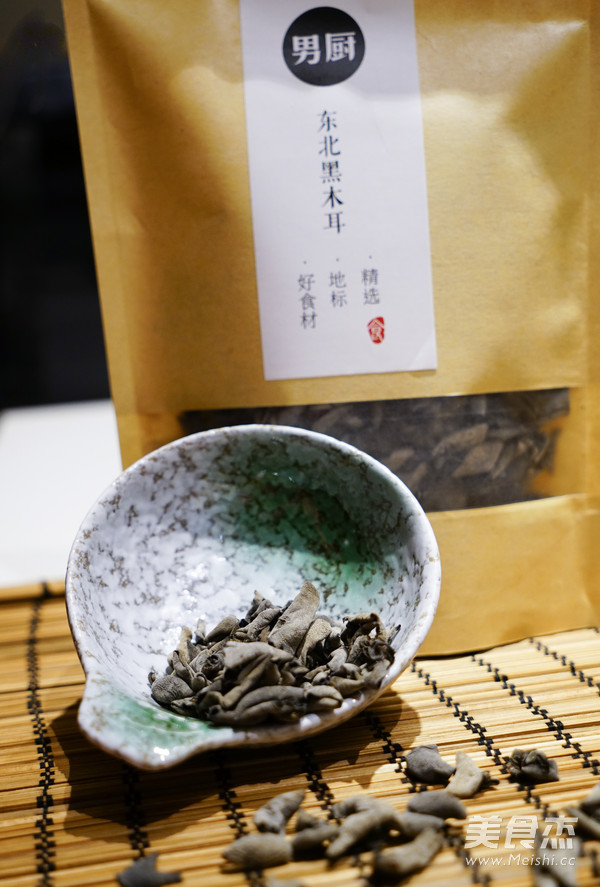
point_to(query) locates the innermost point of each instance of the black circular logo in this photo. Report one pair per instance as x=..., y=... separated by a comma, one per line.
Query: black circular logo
x=323, y=46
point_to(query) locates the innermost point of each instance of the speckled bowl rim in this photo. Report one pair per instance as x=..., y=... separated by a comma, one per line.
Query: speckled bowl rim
x=311, y=724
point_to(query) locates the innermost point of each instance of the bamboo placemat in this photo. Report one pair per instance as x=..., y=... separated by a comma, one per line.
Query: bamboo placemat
x=72, y=815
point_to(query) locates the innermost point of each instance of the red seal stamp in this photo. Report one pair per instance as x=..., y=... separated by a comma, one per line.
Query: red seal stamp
x=376, y=328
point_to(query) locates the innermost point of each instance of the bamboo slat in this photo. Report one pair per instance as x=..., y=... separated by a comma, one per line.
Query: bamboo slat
x=72, y=816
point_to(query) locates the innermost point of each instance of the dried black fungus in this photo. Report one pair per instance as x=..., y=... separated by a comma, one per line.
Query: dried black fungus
x=143, y=873
x=316, y=837
x=393, y=864
x=425, y=764
x=224, y=629
x=293, y=624
x=260, y=625
x=360, y=803
x=591, y=803
x=412, y=824
x=365, y=816
x=275, y=664
x=167, y=688
x=558, y=864
x=587, y=814
x=274, y=815
x=586, y=824
x=403, y=841
x=542, y=878
x=304, y=819
x=257, y=851
x=438, y=802
x=464, y=451
x=360, y=625
x=468, y=779
x=531, y=767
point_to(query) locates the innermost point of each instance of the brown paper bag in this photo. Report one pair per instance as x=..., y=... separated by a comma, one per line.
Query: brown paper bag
x=509, y=97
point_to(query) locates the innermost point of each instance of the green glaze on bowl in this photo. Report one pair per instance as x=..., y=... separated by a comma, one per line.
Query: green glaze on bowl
x=194, y=529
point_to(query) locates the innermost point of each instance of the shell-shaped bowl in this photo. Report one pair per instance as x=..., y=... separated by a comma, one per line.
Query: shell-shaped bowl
x=193, y=529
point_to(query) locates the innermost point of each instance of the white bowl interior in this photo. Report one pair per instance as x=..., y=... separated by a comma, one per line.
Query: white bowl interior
x=194, y=529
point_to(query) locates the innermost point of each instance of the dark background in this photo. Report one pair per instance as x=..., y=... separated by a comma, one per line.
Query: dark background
x=51, y=343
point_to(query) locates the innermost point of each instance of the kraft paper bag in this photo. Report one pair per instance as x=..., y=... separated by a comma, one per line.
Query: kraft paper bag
x=508, y=97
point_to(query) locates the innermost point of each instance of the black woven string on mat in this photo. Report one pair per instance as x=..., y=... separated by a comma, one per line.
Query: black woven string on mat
x=393, y=751
x=460, y=712
x=44, y=834
x=314, y=777
x=228, y=795
x=556, y=727
x=134, y=814
x=45, y=845
x=318, y=785
x=45, y=853
x=578, y=673
x=233, y=809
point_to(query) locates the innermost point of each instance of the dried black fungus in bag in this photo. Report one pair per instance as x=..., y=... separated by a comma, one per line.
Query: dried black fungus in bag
x=467, y=451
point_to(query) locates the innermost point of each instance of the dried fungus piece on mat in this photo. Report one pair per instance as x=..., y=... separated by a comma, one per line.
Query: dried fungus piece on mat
x=412, y=824
x=558, y=864
x=425, y=764
x=588, y=825
x=591, y=803
x=438, y=802
x=363, y=817
x=587, y=813
x=257, y=851
x=360, y=803
x=395, y=863
x=354, y=829
x=314, y=838
x=143, y=873
x=541, y=878
x=468, y=778
x=305, y=820
x=276, y=813
x=531, y=767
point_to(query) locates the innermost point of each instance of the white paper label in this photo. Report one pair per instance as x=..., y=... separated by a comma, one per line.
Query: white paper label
x=338, y=187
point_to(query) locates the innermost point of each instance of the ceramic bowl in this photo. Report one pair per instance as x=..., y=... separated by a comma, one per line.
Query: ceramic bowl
x=193, y=529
